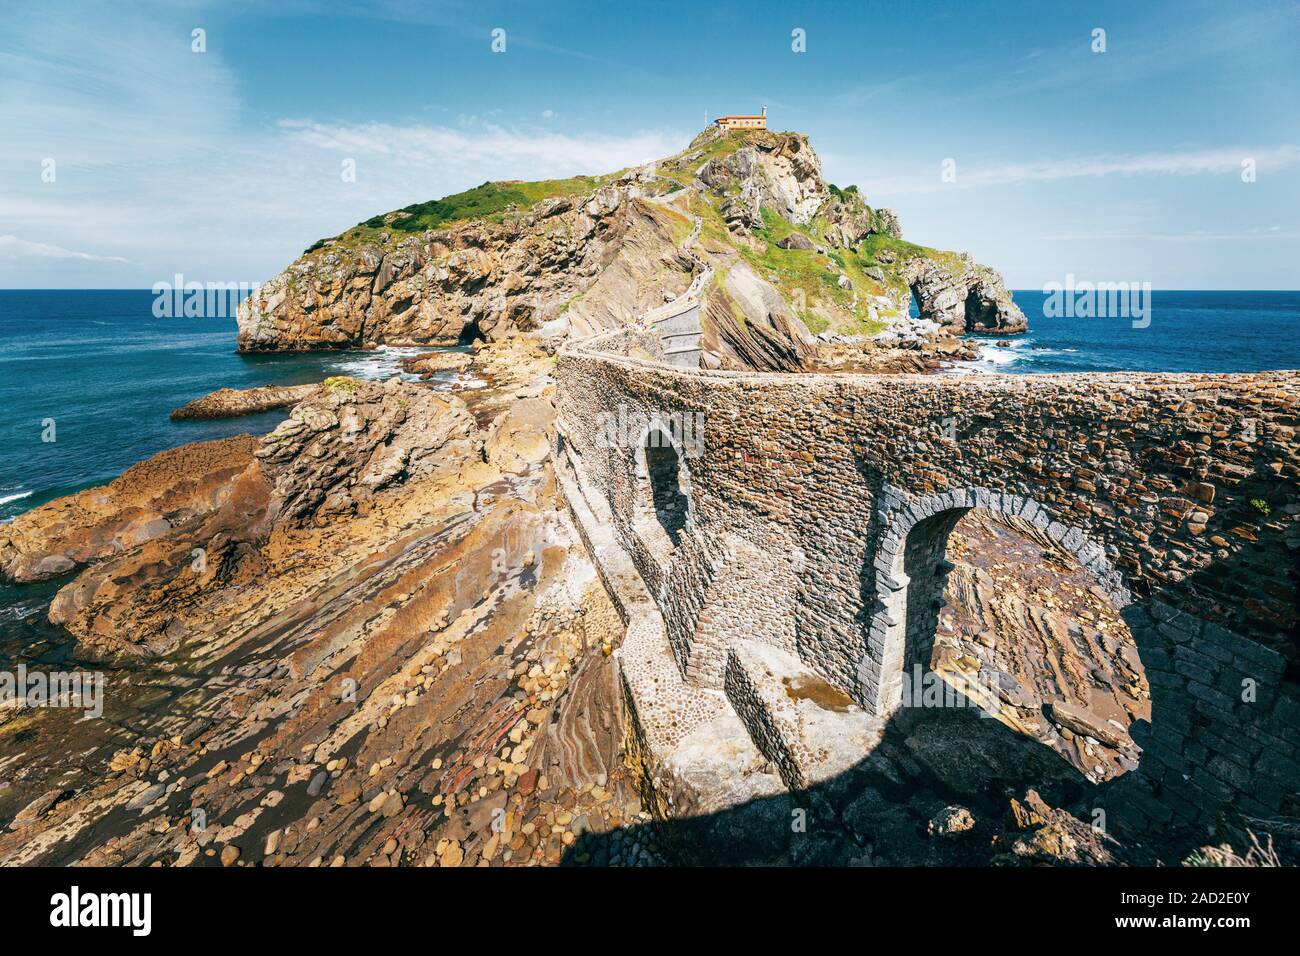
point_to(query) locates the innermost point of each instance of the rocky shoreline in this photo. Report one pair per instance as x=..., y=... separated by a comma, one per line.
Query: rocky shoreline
x=395, y=651
x=390, y=645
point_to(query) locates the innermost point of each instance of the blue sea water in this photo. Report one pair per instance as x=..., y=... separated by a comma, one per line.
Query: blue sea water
x=109, y=373
x=1188, y=332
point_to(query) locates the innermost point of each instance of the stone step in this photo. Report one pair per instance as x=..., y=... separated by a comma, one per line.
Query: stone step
x=808, y=728
x=697, y=754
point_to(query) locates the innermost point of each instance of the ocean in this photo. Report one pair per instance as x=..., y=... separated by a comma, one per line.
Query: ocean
x=1188, y=332
x=106, y=373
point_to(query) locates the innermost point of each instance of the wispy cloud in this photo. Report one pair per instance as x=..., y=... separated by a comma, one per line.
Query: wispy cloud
x=159, y=170
x=11, y=247
x=1186, y=163
x=1136, y=55
x=440, y=147
x=1267, y=234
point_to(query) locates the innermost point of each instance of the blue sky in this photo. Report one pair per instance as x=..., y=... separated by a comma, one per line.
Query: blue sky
x=224, y=165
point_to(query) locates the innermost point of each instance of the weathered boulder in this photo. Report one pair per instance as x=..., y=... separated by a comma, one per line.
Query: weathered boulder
x=951, y=821
x=353, y=439
x=428, y=364
x=849, y=220
x=519, y=438
x=796, y=240
x=743, y=211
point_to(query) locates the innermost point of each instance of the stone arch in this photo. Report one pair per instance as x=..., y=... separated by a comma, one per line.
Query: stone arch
x=910, y=573
x=663, y=503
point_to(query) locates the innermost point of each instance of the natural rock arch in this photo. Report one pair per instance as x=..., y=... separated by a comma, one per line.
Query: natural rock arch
x=910, y=573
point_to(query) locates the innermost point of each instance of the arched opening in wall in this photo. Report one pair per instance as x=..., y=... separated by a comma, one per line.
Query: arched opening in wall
x=470, y=333
x=667, y=501
x=998, y=610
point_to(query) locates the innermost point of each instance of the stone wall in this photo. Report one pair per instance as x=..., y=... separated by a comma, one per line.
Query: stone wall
x=1177, y=492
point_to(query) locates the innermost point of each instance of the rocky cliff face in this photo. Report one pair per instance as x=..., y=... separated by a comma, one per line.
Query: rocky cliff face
x=477, y=279
x=777, y=171
x=606, y=249
x=963, y=297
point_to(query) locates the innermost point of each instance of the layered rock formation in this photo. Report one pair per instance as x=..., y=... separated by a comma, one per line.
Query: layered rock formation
x=352, y=440
x=389, y=650
x=234, y=402
x=337, y=451
x=1026, y=619
x=439, y=287
x=149, y=500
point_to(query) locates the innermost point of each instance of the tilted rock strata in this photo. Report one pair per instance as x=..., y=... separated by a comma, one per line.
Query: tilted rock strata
x=145, y=502
x=353, y=439
x=1022, y=617
x=437, y=287
x=234, y=402
x=330, y=459
x=484, y=723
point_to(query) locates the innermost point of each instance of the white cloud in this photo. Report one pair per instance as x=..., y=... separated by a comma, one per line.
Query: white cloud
x=95, y=89
x=12, y=247
x=1271, y=235
x=1186, y=163
x=159, y=171
x=529, y=154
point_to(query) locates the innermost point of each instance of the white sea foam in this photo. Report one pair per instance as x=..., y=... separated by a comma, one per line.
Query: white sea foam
x=993, y=360
x=380, y=364
x=5, y=499
x=993, y=355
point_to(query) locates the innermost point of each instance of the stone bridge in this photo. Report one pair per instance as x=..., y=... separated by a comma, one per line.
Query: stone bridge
x=766, y=531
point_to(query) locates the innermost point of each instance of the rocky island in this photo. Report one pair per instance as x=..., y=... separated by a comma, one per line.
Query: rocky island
x=795, y=263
